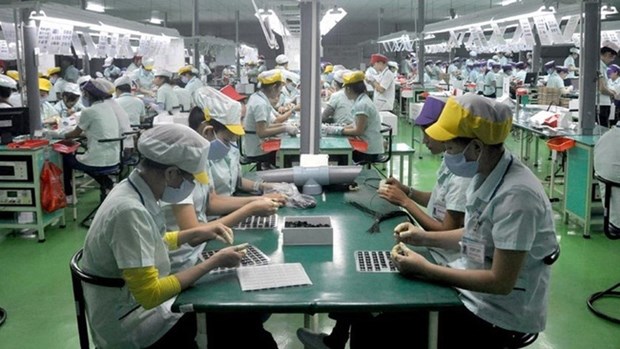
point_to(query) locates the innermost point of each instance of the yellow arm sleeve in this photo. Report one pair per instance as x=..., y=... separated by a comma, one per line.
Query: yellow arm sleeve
x=148, y=289
x=171, y=239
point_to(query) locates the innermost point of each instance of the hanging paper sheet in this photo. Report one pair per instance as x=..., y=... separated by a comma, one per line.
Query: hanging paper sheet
x=543, y=31
x=145, y=46
x=65, y=40
x=102, y=45
x=528, y=35
x=90, y=47
x=498, y=34
x=125, y=50
x=8, y=30
x=570, y=28
x=44, y=36
x=113, y=47
x=4, y=50
x=554, y=28
x=77, y=44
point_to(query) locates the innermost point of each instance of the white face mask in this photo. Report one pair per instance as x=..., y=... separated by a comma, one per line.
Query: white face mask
x=185, y=79
x=53, y=80
x=43, y=99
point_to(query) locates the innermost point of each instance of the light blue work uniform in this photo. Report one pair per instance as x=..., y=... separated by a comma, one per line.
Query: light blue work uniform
x=133, y=106
x=126, y=233
x=555, y=81
x=68, y=122
x=143, y=78
x=186, y=256
x=520, y=75
x=384, y=101
x=509, y=210
x=184, y=97
x=341, y=105
x=99, y=122
x=372, y=133
x=258, y=109
x=193, y=84
x=62, y=109
x=112, y=72
x=48, y=111
x=607, y=165
x=449, y=193
x=71, y=74
x=167, y=97
x=57, y=88
x=225, y=174
x=490, y=81
x=568, y=62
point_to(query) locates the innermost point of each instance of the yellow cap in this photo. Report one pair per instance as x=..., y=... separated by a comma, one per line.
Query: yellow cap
x=472, y=116
x=185, y=69
x=53, y=70
x=353, y=77
x=45, y=85
x=328, y=69
x=13, y=74
x=270, y=77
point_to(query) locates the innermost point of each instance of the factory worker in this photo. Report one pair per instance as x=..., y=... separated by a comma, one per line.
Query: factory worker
x=132, y=105
x=490, y=81
x=166, y=98
x=570, y=61
x=144, y=77
x=49, y=115
x=393, y=66
x=136, y=63
x=455, y=73
x=429, y=68
x=555, y=80
x=258, y=120
x=7, y=86
x=69, y=72
x=15, y=99
x=111, y=71
x=58, y=84
x=370, y=75
x=189, y=76
x=367, y=124
x=127, y=240
x=507, y=244
x=183, y=95
x=502, y=59
x=438, y=69
x=230, y=91
x=260, y=64
x=482, y=68
x=608, y=53
x=502, y=76
x=327, y=76
x=338, y=108
x=69, y=106
x=289, y=93
x=520, y=71
x=382, y=83
x=607, y=165
x=281, y=62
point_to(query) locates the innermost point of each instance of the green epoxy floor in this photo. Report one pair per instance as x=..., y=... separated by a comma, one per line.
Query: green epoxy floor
x=35, y=285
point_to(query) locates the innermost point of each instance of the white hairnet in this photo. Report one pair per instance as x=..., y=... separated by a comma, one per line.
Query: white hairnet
x=219, y=107
x=162, y=72
x=123, y=80
x=281, y=59
x=83, y=79
x=339, y=75
x=72, y=88
x=6, y=81
x=176, y=145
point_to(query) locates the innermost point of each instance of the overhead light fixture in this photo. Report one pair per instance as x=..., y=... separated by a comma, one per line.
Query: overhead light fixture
x=95, y=7
x=507, y=2
x=607, y=10
x=156, y=18
x=331, y=18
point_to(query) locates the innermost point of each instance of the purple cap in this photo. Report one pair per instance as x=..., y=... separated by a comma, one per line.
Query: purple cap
x=430, y=111
x=560, y=69
x=428, y=61
x=613, y=68
x=507, y=67
x=550, y=65
x=520, y=65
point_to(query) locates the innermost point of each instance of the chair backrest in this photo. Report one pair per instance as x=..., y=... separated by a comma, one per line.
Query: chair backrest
x=78, y=275
x=387, y=129
x=611, y=231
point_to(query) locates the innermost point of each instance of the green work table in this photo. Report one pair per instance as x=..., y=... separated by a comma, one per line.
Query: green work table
x=290, y=146
x=336, y=285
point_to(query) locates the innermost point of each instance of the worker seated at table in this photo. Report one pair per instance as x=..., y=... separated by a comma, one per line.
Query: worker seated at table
x=166, y=98
x=503, y=272
x=127, y=240
x=132, y=105
x=7, y=86
x=607, y=165
x=69, y=107
x=259, y=123
x=367, y=124
x=49, y=115
x=338, y=108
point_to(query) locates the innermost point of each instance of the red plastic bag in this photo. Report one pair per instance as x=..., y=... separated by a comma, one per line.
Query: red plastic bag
x=52, y=192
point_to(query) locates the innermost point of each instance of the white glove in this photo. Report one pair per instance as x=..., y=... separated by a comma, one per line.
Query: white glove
x=53, y=134
x=333, y=130
x=292, y=129
x=370, y=78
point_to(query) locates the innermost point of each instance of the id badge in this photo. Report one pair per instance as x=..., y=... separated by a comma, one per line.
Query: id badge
x=474, y=250
x=439, y=212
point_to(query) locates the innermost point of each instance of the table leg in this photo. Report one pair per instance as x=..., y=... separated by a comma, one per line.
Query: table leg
x=410, y=171
x=402, y=168
x=433, y=329
x=311, y=322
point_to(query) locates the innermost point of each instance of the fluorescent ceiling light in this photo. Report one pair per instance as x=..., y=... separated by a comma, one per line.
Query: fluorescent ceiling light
x=154, y=20
x=95, y=7
x=331, y=18
x=608, y=11
x=507, y=2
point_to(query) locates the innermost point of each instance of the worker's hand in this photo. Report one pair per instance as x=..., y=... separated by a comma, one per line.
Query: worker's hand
x=393, y=194
x=218, y=231
x=409, y=234
x=277, y=197
x=292, y=130
x=229, y=257
x=53, y=134
x=370, y=79
x=333, y=130
x=397, y=183
x=264, y=207
x=408, y=262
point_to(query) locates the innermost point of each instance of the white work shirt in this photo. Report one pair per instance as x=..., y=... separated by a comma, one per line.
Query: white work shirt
x=57, y=89
x=384, y=101
x=614, y=85
x=372, y=133
x=568, y=63
x=98, y=122
x=62, y=109
x=126, y=233
x=509, y=210
x=607, y=165
x=258, y=109
x=490, y=81
x=225, y=174
x=167, y=97
x=133, y=106
x=520, y=75
x=449, y=193
x=555, y=81
x=123, y=121
x=132, y=67
x=186, y=256
x=143, y=78
x=184, y=97
x=193, y=84
x=372, y=73
x=342, y=107
x=48, y=111
x=112, y=72
x=603, y=99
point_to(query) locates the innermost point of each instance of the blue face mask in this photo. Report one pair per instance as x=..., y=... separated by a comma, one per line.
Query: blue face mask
x=85, y=101
x=175, y=195
x=458, y=164
x=218, y=150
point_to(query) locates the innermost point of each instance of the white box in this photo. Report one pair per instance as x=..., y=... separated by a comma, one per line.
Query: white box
x=304, y=235
x=390, y=119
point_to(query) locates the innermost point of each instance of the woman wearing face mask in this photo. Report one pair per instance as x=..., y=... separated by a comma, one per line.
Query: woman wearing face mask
x=553, y=78
x=128, y=240
x=367, y=124
x=69, y=106
x=338, y=108
x=58, y=84
x=259, y=124
x=507, y=244
x=49, y=115
x=189, y=76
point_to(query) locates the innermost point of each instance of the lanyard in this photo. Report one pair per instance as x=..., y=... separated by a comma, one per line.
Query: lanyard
x=136, y=189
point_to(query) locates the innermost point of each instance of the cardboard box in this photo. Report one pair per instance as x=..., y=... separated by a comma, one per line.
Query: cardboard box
x=312, y=230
